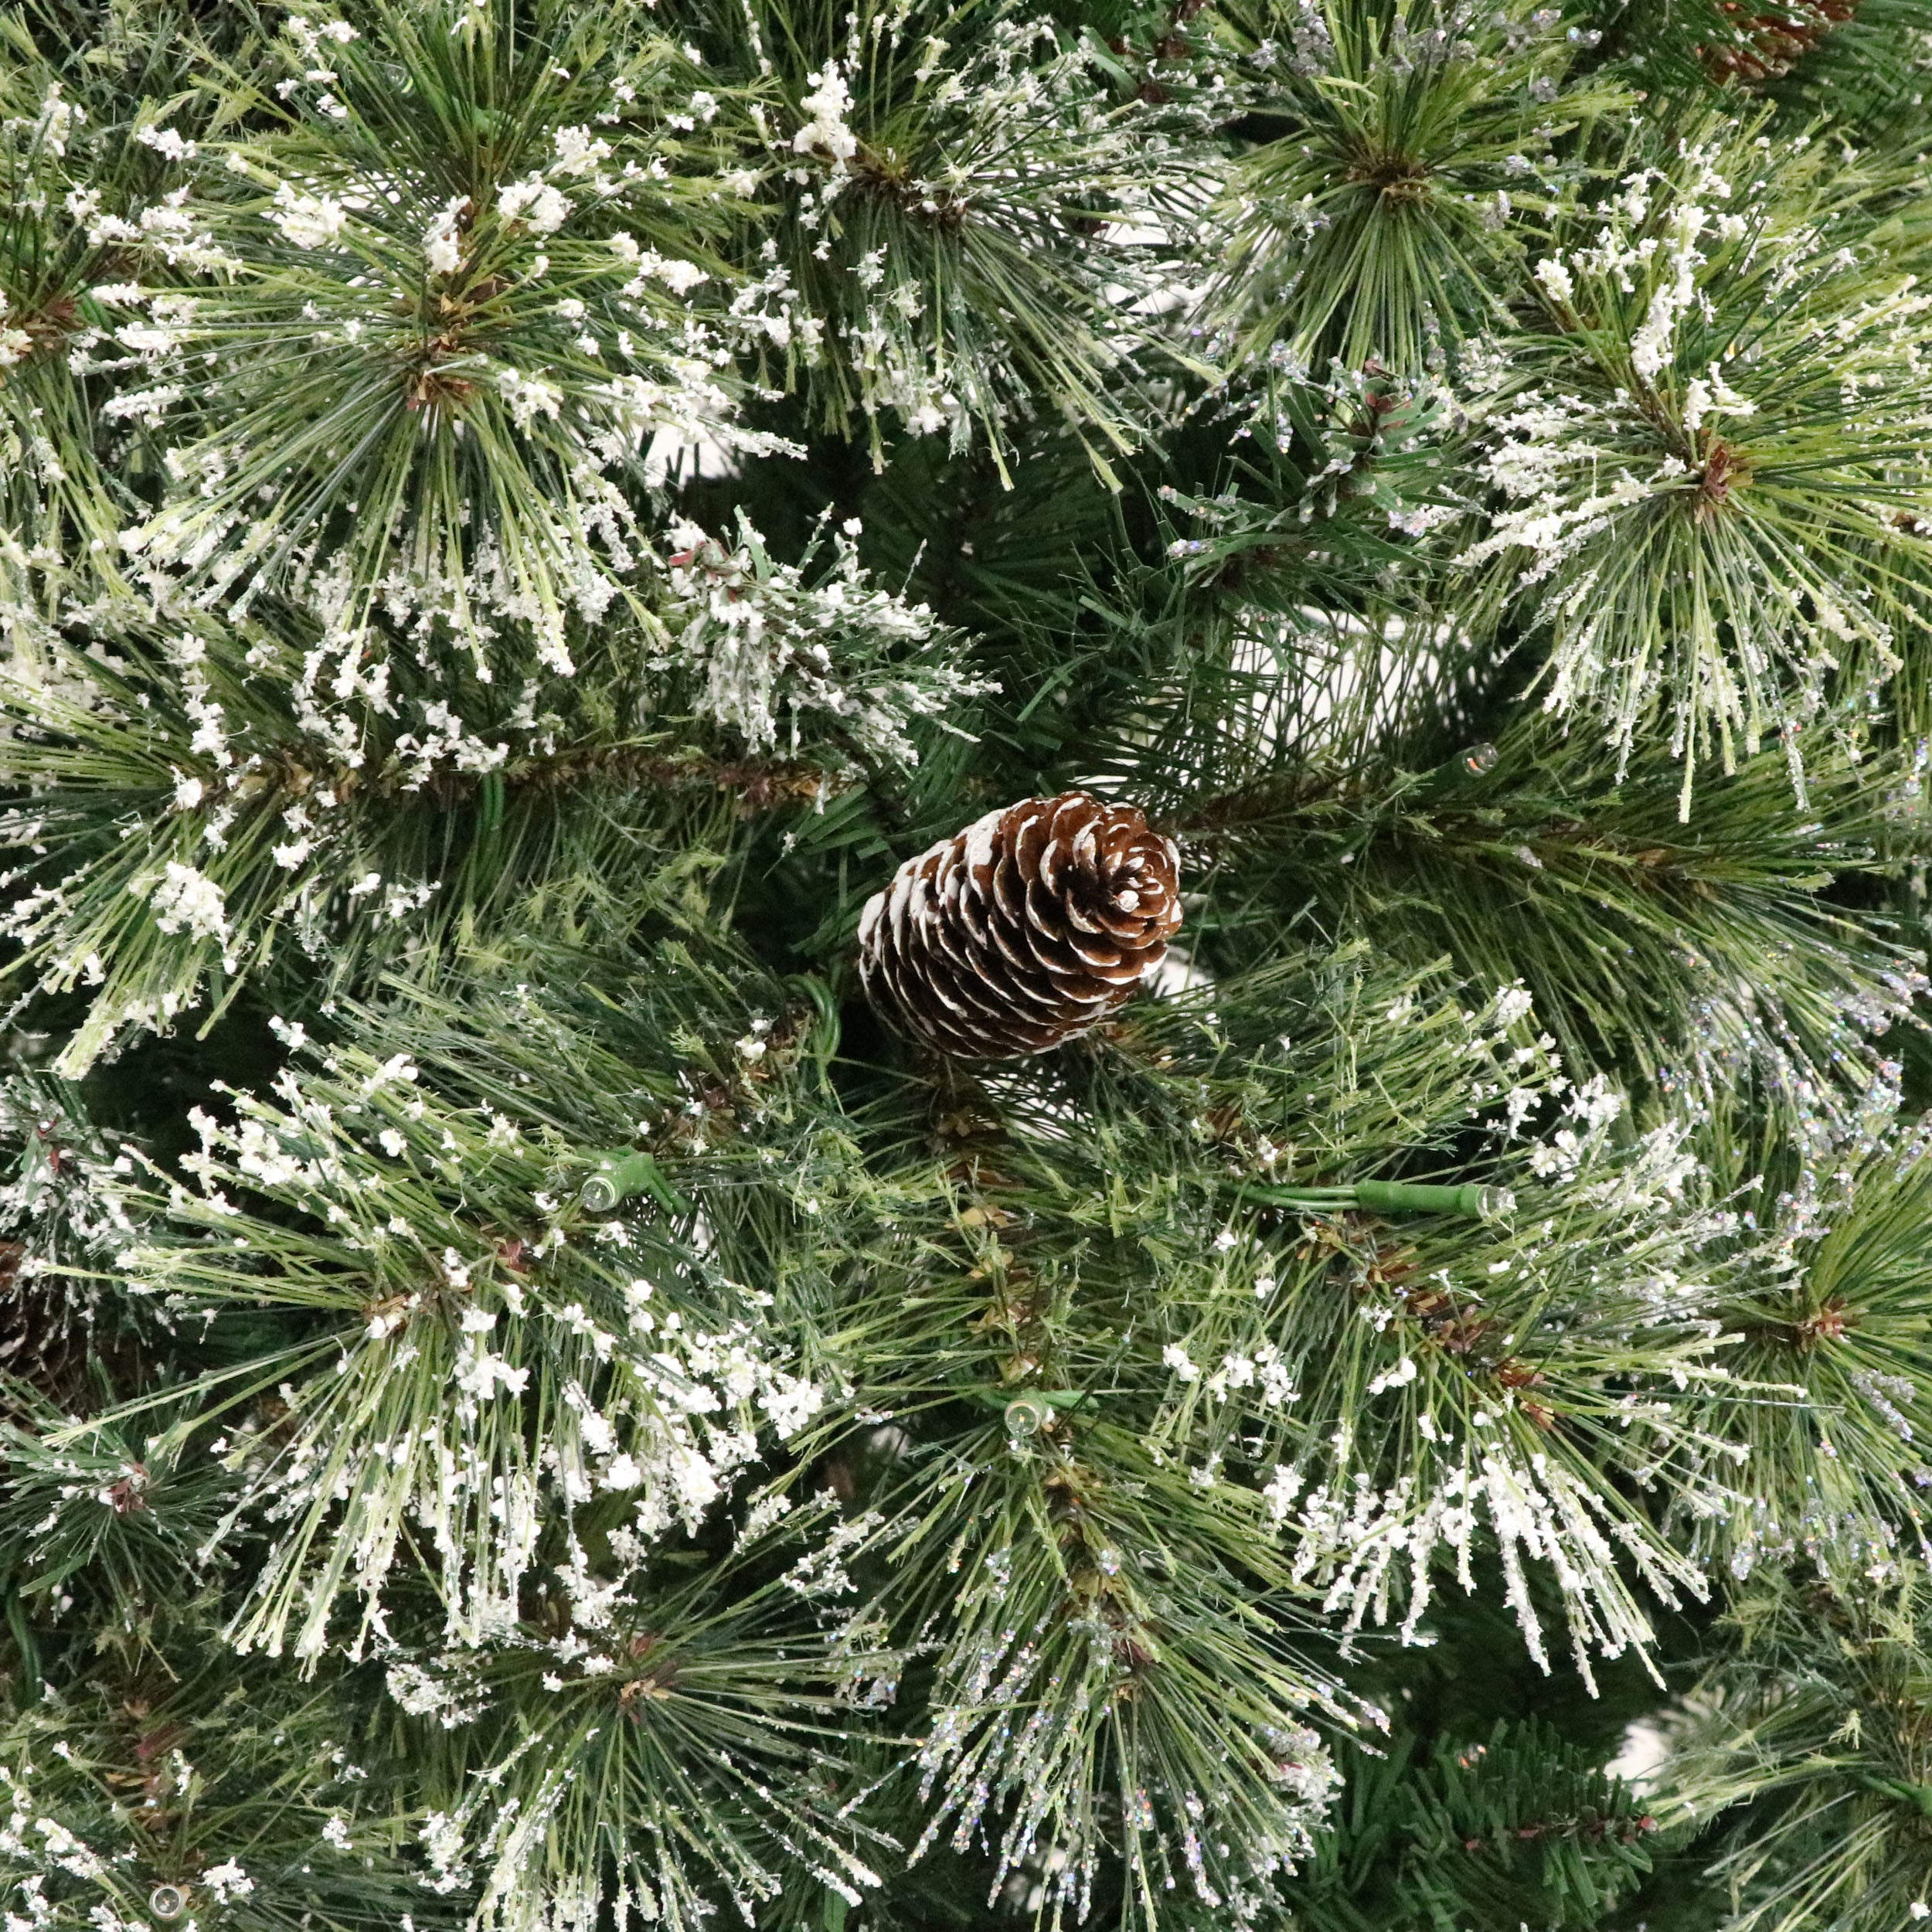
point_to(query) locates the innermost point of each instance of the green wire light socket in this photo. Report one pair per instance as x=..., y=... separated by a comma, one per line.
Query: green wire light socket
x=1471, y=1201
x=619, y=1176
x=489, y=798
x=1028, y=1414
x=1915, y=1795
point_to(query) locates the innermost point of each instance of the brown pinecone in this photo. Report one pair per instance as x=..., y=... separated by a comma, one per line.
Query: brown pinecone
x=1029, y=927
x=1770, y=44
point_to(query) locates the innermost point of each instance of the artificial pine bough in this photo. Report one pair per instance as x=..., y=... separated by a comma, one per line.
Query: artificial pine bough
x=964, y=966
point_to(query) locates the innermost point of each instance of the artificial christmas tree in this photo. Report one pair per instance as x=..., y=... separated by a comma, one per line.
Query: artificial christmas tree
x=627, y=1294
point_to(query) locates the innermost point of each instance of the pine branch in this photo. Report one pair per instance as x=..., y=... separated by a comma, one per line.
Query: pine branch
x=660, y=1750
x=1726, y=564
x=1807, y=1737
x=920, y=200
x=76, y=170
x=439, y=331
x=201, y=803
x=65, y=1338
x=483, y=1231
x=1827, y=1321
x=1409, y=152
x=164, y=1787
x=1684, y=959
x=1520, y=1824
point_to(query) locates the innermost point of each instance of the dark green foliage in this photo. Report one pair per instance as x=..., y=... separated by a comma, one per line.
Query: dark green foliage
x=1518, y=1822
